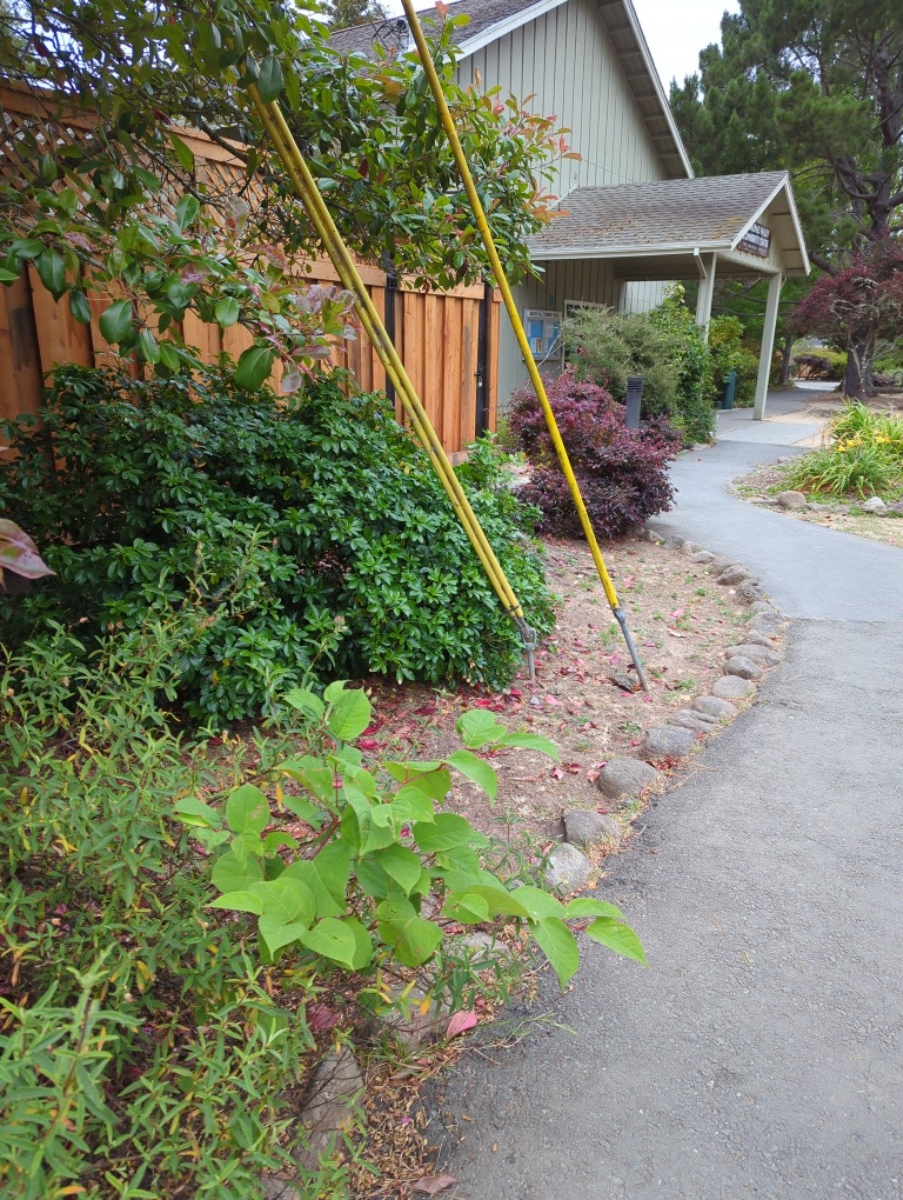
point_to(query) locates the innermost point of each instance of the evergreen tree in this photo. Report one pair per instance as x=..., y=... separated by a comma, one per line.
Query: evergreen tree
x=816, y=89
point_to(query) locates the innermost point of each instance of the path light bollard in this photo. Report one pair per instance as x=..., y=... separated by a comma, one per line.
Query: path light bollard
x=633, y=399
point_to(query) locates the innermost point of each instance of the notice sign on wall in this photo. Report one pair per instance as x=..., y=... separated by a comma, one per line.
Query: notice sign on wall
x=757, y=241
x=542, y=326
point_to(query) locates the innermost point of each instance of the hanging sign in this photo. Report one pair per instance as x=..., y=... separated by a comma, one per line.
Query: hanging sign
x=757, y=241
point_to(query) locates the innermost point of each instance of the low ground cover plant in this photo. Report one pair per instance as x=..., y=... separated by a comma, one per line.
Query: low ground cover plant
x=623, y=473
x=300, y=530
x=176, y=912
x=863, y=457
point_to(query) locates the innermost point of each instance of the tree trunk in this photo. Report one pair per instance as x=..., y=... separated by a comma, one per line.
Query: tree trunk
x=859, y=381
x=786, y=361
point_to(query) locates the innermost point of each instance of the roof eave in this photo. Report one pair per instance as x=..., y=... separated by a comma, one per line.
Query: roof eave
x=664, y=249
x=785, y=186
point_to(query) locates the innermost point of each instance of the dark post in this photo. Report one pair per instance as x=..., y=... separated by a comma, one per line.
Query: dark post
x=633, y=399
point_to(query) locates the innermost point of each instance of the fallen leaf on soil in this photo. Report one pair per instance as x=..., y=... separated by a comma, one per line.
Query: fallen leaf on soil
x=556, y=773
x=555, y=703
x=674, y=633
x=431, y=1185
x=320, y=1018
x=460, y=1023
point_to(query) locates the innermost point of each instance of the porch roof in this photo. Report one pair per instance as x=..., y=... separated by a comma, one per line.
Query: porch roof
x=659, y=229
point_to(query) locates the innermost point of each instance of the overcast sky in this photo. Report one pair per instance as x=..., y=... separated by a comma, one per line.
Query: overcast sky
x=676, y=31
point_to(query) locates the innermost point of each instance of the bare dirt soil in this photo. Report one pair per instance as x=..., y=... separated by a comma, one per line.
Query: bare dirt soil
x=681, y=621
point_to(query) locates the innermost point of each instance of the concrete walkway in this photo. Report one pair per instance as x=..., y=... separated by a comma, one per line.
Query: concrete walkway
x=761, y=1054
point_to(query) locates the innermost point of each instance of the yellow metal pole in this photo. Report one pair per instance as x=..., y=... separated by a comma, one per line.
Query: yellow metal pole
x=305, y=185
x=501, y=279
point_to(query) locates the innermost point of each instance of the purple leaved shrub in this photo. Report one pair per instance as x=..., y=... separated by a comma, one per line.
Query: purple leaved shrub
x=623, y=473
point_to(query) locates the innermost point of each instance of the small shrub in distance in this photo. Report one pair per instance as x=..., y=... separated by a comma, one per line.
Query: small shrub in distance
x=864, y=457
x=623, y=473
x=301, y=529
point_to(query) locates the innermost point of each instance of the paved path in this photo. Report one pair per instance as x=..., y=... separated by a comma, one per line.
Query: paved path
x=761, y=1055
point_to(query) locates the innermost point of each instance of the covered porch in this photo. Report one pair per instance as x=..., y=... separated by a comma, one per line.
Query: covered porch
x=725, y=226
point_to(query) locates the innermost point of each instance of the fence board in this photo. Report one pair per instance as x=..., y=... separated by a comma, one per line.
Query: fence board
x=20, y=362
x=467, y=385
x=61, y=339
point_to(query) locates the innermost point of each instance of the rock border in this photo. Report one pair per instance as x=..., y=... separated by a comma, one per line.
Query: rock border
x=628, y=779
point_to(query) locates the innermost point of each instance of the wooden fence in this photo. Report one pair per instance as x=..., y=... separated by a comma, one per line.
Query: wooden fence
x=448, y=341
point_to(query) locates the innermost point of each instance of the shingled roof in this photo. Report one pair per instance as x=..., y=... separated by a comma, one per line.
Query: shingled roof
x=670, y=218
x=483, y=15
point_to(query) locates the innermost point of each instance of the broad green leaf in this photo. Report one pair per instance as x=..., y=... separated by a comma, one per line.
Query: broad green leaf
x=540, y=904
x=411, y=804
x=311, y=774
x=559, y=946
x=239, y=901
x=269, y=79
x=286, y=899
x=460, y=868
x=116, y=322
x=334, y=940
x=192, y=811
x=325, y=903
x=477, y=770
x=274, y=842
x=618, y=937
x=413, y=939
x=304, y=809
x=79, y=306
x=247, y=810
x=303, y=700
x=445, y=832
x=52, y=270
x=333, y=690
x=531, y=741
x=402, y=771
x=479, y=727
x=276, y=935
x=381, y=832
x=254, y=367
x=500, y=901
x=187, y=211
x=148, y=346
x=350, y=716
x=230, y=874
x=227, y=313
x=469, y=910
x=586, y=906
x=402, y=865
x=333, y=865
x=434, y=783
x=183, y=152
x=7, y=276
x=372, y=878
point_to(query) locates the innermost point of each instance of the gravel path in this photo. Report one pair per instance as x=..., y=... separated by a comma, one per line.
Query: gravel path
x=761, y=1054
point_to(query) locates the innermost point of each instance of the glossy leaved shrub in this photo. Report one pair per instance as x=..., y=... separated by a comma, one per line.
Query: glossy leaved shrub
x=300, y=530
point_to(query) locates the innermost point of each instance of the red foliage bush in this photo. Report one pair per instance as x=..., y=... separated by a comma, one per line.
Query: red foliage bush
x=623, y=473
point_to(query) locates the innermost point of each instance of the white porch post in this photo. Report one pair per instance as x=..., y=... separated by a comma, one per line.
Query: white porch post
x=771, y=320
x=706, y=263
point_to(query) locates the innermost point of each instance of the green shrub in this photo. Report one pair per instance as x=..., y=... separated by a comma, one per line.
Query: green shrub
x=293, y=529
x=664, y=346
x=155, y=1026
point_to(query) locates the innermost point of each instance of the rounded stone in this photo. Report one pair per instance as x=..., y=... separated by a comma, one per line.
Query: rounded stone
x=702, y=557
x=735, y=574
x=568, y=868
x=712, y=706
x=874, y=504
x=759, y=654
x=689, y=548
x=667, y=741
x=720, y=563
x=770, y=624
x=791, y=500
x=762, y=606
x=585, y=827
x=744, y=667
x=732, y=687
x=697, y=721
x=750, y=591
x=625, y=777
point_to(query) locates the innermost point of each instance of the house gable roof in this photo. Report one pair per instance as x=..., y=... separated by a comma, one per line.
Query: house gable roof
x=674, y=219
x=493, y=19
